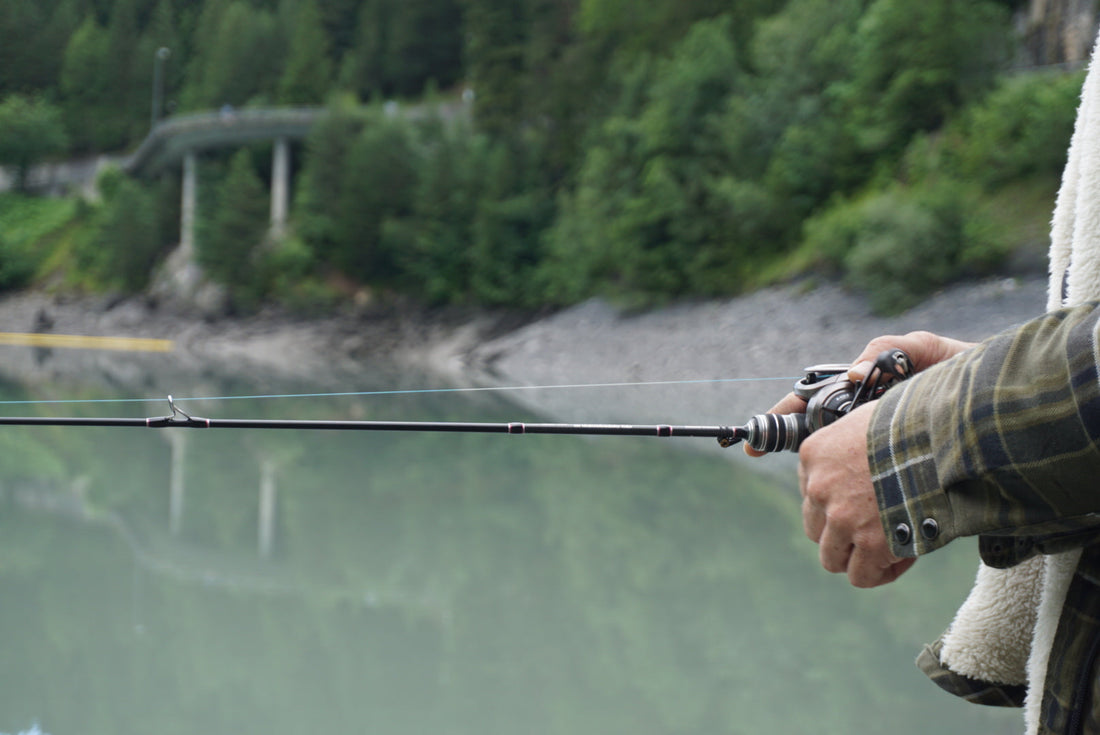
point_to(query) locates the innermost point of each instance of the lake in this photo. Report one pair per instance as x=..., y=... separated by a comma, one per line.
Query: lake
x=217, y=581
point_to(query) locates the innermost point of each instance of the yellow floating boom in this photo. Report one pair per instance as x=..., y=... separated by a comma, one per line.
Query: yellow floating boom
x=79, y=342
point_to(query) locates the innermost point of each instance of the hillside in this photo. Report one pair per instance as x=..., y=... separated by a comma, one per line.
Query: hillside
x=690, y=149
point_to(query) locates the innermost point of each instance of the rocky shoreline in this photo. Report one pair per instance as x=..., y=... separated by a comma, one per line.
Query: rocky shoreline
x=763, y=339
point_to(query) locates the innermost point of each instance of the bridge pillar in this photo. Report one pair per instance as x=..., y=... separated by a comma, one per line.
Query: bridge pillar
x=187, y=208
x=269, y=492
x=280, y=186
x=177, y=484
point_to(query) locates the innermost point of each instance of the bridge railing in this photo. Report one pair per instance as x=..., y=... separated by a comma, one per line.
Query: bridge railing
x=226, y=127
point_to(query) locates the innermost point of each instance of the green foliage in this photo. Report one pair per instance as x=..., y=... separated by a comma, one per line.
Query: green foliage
x=360, y=177
x=33, y=36
x=646, y=27
x=656, y=211
x=319, y=186
x=900, y=245
x=85, y=88
x=237, y=228
x=27, y=225
x=916, y=63
x=647, y=151
x=123, y=243
x=434, y=251
x=284, y=272
x=378, y=182
x=790, y=132
x=799, y=57
x=30, y=131
x=308, y=67
x=1021, y=129
x=511, y=214
x=402, y=44
x=240, y=60
x=494, y=51
x=105, y=80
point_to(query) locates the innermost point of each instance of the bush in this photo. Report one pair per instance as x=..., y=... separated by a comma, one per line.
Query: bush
x=30, y=130
x=284, y=273
x=900, y=253
x=900, y=245
x=656, y=211
x=379, y=180
x=238, y=225
x=17, y=265
x=916, y=63
x=1023, y=128
x=30, y=229
x=125, y=235
x=432, y=246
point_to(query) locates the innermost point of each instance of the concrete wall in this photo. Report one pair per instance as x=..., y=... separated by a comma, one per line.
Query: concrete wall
x=64, y=176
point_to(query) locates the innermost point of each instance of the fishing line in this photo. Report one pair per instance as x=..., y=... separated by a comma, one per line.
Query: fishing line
x=826, y=389
x=395, y=392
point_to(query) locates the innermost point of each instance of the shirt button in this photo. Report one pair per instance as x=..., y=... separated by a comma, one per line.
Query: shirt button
x=903, y=534
x=929, y=528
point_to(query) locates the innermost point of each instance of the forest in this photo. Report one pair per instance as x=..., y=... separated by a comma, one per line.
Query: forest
x=642, y=152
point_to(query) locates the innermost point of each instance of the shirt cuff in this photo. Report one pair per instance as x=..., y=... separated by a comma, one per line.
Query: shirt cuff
x=914, y=510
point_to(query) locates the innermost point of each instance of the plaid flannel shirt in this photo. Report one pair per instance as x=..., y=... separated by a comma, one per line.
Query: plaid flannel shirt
x=1001, y=441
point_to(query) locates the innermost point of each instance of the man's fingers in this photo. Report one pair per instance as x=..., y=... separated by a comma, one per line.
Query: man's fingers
x=837, y=551
x=813, y=520
x=924, y=349
x=790, y=403
x=869, y=568
x=860, y=370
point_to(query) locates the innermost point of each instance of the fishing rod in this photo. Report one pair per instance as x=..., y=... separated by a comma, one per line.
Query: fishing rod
x=825, y=388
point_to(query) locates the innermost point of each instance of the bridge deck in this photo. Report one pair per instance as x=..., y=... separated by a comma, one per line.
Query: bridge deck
x=172, y=138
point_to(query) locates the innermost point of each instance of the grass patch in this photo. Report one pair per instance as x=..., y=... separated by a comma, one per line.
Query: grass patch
x=1022, y=212
x=30, y=230
x=26, y=220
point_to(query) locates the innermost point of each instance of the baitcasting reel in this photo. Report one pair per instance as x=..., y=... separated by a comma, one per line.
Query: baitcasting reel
x=829, y=395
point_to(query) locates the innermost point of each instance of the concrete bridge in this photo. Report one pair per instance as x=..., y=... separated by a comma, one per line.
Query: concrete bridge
x=179, y=140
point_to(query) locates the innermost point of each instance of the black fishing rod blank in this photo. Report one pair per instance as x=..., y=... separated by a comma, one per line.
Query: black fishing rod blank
x=181, y=419
x=825, y=388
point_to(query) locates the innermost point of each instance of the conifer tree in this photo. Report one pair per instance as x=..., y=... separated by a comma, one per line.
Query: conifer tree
x=238, y=53
x=33, y=37
x=308, y=73
x=494, y=51
x=238, y=225
x=125, y=243
x=84, y=88
x=30, y=130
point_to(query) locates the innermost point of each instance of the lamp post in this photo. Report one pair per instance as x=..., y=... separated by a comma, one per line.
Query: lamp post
x=158, y=82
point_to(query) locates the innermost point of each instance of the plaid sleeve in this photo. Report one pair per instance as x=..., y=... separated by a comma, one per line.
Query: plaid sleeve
x=1002, y=439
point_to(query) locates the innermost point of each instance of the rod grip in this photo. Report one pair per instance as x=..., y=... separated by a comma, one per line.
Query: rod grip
x=770, y=432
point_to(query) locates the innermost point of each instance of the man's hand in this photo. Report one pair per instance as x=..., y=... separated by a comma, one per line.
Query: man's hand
x=839, y=508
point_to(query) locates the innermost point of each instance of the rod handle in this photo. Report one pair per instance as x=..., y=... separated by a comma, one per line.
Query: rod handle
x=771, y=432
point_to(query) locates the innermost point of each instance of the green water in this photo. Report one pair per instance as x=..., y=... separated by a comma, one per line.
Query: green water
x=208, y=581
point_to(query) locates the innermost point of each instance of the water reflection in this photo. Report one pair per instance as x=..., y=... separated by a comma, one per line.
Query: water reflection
x=287, y=582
